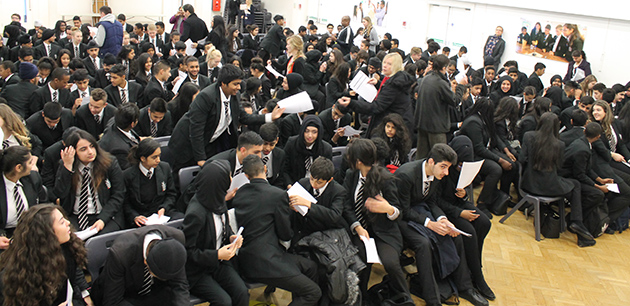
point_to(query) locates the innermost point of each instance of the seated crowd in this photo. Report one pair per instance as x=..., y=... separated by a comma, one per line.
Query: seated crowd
x=80, y=131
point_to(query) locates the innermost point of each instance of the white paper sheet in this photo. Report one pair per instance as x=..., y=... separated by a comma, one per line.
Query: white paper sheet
x=349, y=131
x=370, y=250
x=613, y=188
x=238, y=181
x=178, y=84
x=460, y=231
x=156, y=219
x=93, y=31
x=69, y=293
x=626, y=163
x=579, y=74
x=297, y=103
x=274, y=71
x=468, y=173
x=298, y=190
x=85, y=234
x=86, y=100
x=4, y=41
x=360, y=85
x=189, y=47
x=238, y=235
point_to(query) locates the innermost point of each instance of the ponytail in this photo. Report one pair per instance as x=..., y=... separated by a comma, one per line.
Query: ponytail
x=145, y=148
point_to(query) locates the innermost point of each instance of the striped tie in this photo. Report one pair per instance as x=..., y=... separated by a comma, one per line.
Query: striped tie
x=147, y=282
x=86, y=193
x=19, y=202
x=5, y=144
x=97, y=118
x=238, y=171
x=154, y=129
x=425, y=190
x=54, y=97
x=265, y=160
x=123, y=96
x=359, y=205
x=308, y=161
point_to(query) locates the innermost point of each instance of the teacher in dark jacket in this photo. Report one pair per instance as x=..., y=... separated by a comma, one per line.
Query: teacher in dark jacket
x=432, y=115
x=495, y=45
x=195, y=28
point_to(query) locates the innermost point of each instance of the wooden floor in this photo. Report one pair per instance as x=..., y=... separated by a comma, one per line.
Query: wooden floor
x=522, y=271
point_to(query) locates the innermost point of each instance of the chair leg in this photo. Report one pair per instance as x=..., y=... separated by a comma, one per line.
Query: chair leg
x=563, y=220
x=537, y=219
x=514, y=209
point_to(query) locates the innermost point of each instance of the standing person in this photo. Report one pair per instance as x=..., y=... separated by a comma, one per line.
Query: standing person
x=209, y=240
x=346, y=35
x=177, y=21
x=195, y=28
x=432, y=116
x=217, y=36
x=578, y=69
x=44, y=234
x=297, y=60
x=110, y=33
x=274, y=42
x=495, y=45
x=369, y=33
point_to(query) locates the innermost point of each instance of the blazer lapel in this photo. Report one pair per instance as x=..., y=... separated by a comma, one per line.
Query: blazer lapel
x=3, y=204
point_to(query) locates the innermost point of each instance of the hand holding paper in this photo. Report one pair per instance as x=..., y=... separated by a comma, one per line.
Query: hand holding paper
x=360, y=84
x=370, y=250
x=297, y=103
x=298, y=190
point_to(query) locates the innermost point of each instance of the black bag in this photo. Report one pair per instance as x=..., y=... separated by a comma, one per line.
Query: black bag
x=550, y=223
x=597, y=221
x=381, y=294
x=500, y=203
x=446, y=288
x=621, y=224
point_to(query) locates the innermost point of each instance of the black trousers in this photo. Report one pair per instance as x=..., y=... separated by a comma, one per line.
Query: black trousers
x=473, y=245
x=390, y=258
x=223, y=287
x=110, y=226
x=495, y=173
x=425, y=263
x=303, y=286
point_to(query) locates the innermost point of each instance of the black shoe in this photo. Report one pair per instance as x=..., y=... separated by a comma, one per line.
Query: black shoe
x=473, y=297
x=580, y=229
x=486, y=292
x=609, y=231
x=585, y=243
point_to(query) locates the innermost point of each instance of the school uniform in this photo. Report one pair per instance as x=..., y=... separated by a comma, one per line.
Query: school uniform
x=133, y=94
x=155, y=89
x=101, y=79
x=92, y=65
x=46, y=94
x=30, y=192
x=36, y=125
x=50, y=164
x=330, y=126
x=146, y=195
x=144, y=126
x=118, y=143
x=18, y=97
x=87, y=121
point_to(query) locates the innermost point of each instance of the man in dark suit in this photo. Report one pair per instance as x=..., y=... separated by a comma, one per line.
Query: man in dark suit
x=432, y=49
x=23, y=42
x=488, y=81
x=334, y=118
x=272, y=156
x=154, y=120
x=156, y=88
x=210, y=126
x=161, y=33
x=568, y=117
x=547, y=41
x=92, y=62
x=49, y=123
x=144, y=267
x=120, y=137
x=419, y=194
x=48, y=47
x=248, y=143
x=54, y=91
x=93, y=117
x=28, y=185
x=265, y=222
x=560, y=46
x=577, y=122
x=120, y=91
x=18, y=95
x=7, y=73
x=495, y=45
x=192, y=64
x=77, y=48
x=345, y=39
x=274, y=41
x=195, y=28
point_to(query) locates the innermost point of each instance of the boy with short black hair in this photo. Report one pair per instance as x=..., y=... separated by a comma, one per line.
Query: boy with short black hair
x=272, y=156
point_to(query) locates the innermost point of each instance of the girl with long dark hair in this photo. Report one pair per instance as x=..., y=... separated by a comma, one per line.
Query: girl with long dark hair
x=530, y=120
x=217, y=36
x=505, y=119
x=180, y=104
x=143, y=69
x=126, y=57
x=395, y=132
x=339, y=85
x=233, y=41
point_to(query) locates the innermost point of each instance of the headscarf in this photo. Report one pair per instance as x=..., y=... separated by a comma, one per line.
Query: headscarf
x=500, y=91
x=310, y=120
x=213, y=182
x=557, y=76
x=554, y=93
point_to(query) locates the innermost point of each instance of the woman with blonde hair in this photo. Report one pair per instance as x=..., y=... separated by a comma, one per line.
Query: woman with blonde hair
x=393, y=95
x=587, y=85
x=15, y=133
x=369, y=33
x=297, y=60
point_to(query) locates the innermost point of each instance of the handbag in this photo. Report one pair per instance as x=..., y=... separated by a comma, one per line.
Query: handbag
x=500, y=203
x=550, y=224
x=381, y=294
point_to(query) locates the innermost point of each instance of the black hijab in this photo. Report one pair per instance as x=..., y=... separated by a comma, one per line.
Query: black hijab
x=554, y=93
x=310, y=120
x=213, y=182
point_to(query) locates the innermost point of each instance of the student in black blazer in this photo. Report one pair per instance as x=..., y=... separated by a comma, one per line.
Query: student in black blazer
x=372, y=210
x=194, y=28
x=265, y=222
x=210, y=273
x=303, y=148
x=248, y=143
x=119, y=137
x=339, y=85
x=128, y=259
x=105, y=186
x=258, y=71
x=133, y=91
x=54, y=91
x=274, y=41
x=272, y=156
x=249, y=39
x=17, y=96
x=76, y=44
x=193, y=76
x=156, y=115
x=290, y=126
x=577, y=122
x=50, y=162
x=156, y=88
x=17, y=163
x=48, y=47
x=49, y=123
x=194, y=135
x=92, y=62
x=102, y=78
x=333, y=119
x=86, y=114
x=151, y=189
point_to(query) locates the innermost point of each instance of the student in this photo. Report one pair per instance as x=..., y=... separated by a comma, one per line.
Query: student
x=165, y=37
x=588, y=84
x=144, y=267
x=7, y=72
x=82, y=81
x=169, y=48
x=303, y=148
x=156, y=41
x=18, y=95
x=334, y=119
x=119, y=137
x=92, y=62
x=49, y=123
x=339, y=85
x=22, y=188
x=181, y=103
x=48, y=47
x=265, y=221
x=94, y=116
x=90, y=185
x=248, y=143
x=101, y=79
x=233, y=42
x=273, y=157
x=530, y=120
x=156, y=88
x=211, y=68
x=120, y=91
x=193, y=76
x=258, y=71
x=15, y=132
x=534, y=79
x=434, y=99
x=580, y=64
x=44, y=233
x=505, y=120
x=154, y=120
x=180, y=52
x=151, y=189
x=585, y=104
x=50, y=162
x=250, y=41
x=144, y=66
x=505, y=88
x=126, y=57
x=274, y=41
x=54, y=91
x=489, y=82
x=209, y=240
x=394, y=131
x=123, y=21
x=194, y=27
x=577, y=121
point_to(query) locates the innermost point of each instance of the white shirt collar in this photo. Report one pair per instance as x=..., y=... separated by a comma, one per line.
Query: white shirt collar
x=153, y=235
x=144, y=170
x=223, y=96
x=51, y=89
x=424, y=174
x=128, y=134
x=9, y=185
x=238, y=163
x=7, y=78
x=82, y=166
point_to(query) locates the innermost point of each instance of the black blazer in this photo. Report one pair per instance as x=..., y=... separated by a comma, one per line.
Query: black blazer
x=334, y=91
x=43, y=95
x=229, y=155
x=545, y=183
x=278, y=166
x=194, y=28
x=134, y=94
x=409, y=182
x=123, y=273
x=50, y=164
x=100, y=79
x=298, y=65
x=577, y=162
x=202, y=81
x=330, y=126
x=14, y=79
x=89, y=65
x=36, y=124
x=289, y=126
x=385, y=229
x=192, y=134
x=325, y=214
x=155, y=90
x=18, y=97
x=250, y=43
x=474, y=128
x=213, y=75
x=85, y=119
x=118, y=144
x=39, y=51
x=32, y=187
x=266, y=220
x=296, y=169
x=111, y=193
x=266, y=88
x=568, y=136
x=82, y=50
x=434, y=98
x=534, y=80
x=143, y=128
x=164, y=198
x=275, y=41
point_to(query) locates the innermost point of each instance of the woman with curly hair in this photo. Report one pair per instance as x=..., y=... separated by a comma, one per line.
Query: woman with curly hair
x=55, y=256
x=395, y=132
